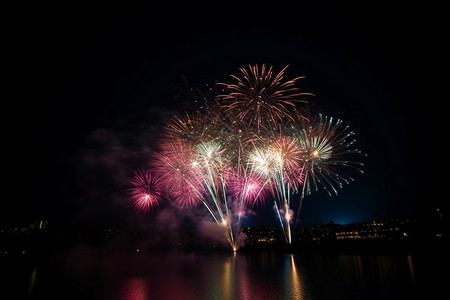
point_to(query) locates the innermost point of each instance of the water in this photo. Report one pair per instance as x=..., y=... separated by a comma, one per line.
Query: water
x=82, y=273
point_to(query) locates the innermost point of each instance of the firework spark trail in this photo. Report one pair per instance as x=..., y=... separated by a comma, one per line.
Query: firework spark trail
x=189, y=175
x=213, y=168
x=281, y=164
x=144, y=189
x=196, y=160
x=327, y=148
x=261, y=99
x=173, y=163
x=248, y=188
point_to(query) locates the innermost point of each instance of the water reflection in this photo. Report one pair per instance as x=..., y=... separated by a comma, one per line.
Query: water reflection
x=235, y=276
x=134, y=289
x=32, y=282
x=411, y=268
x=269, y=276
x=228, y=277
x=296, y=285
x=255, y=276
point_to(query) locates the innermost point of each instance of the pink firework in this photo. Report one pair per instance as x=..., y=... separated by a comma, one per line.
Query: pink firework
x=250, y=189
x=177, y=169
x=144, y=189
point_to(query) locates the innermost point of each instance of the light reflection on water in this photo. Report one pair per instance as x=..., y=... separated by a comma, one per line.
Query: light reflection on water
x=133, y=289
x=32, y=282
x=235, y=276
x=296, y=281
x=238, y=276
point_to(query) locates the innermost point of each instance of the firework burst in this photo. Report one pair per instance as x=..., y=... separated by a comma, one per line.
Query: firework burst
x=261, y=98
x=174, y=164
x=328, y=150
x=144, y=189
x=328, y=156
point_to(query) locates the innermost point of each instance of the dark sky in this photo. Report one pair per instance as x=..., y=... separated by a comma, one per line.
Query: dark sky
x=87, y=87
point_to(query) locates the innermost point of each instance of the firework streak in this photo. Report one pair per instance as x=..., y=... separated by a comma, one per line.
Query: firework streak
x=250, y=142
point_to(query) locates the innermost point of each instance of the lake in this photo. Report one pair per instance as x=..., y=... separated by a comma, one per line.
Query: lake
x=82, y=273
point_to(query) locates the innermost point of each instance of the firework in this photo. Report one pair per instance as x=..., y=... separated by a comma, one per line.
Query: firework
x=261, y=98
x=194, y=127
x=248, y=188
x=195, y=163
x=175, y=165
x=288, y=158
x=250, y=142
x=144, y=189
x=280, y=162
x=327, y=147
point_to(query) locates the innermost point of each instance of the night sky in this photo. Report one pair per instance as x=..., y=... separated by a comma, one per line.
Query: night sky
x=88, y=87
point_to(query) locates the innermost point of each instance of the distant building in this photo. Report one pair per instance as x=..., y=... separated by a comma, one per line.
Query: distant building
x=392, y=229
x=315, y=234
x=39, y=225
